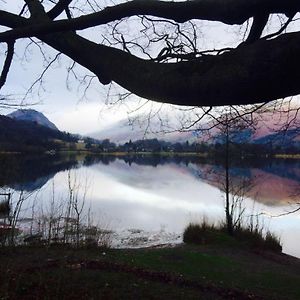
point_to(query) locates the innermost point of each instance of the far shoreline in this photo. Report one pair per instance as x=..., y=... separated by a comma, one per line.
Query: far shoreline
x=163, y=153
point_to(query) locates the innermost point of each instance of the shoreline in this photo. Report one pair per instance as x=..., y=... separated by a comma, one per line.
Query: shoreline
x=163, y=154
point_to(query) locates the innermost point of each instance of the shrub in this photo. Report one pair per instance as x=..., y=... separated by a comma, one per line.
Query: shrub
x=198, y=233
x=272, y=242
x=5, y=232
x=4, y=208
x=255, y=238
x=203, y=233
x=252, y=237
x=97, y=237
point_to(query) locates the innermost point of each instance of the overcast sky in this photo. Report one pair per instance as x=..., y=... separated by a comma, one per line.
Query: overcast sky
x=62, y=101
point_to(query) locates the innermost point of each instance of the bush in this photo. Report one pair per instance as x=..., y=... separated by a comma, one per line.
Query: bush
x=272, y=242
x=199, y=233
x=203, y=233
x=252, y=237
x=4, y=208
x=255, y=238
x=5, y=232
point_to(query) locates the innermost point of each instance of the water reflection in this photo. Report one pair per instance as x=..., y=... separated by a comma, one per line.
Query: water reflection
x=273, y=182
x=155, y=192
x=30, y=173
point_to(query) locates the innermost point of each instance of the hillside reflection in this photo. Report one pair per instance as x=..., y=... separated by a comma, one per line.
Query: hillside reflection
x=273, y=182
x=30, y=173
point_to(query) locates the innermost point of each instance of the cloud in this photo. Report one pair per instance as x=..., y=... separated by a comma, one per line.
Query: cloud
x=84, y=117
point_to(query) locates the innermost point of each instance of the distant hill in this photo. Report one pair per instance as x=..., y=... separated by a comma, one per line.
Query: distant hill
x=32, y=115
x=269, y=128
x=121, y=132
x=28, y=136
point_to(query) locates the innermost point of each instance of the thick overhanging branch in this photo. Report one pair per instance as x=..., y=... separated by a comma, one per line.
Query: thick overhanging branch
x=11, y=20
x=252, y=73
x=249, y=74
x=259, y=23
x=36, y=9
x=229, y=12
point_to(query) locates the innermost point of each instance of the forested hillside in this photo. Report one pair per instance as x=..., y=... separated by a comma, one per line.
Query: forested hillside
x=24, y=136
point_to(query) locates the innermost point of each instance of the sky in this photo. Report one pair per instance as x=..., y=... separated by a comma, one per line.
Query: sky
x=62, y=100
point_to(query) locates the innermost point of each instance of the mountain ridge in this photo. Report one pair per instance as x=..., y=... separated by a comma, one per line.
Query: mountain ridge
x=27, y=136
x=32, y=115
x=269, y=126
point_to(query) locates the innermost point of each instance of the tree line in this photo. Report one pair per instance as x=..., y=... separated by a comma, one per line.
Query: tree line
x=209, y=149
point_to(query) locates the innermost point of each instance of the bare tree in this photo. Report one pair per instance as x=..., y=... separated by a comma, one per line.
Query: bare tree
x=229, y=124
x=75, y=208
x=165, y=62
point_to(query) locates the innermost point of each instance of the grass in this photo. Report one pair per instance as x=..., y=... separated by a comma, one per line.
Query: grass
x=204, y=233
x=213, y=265
x=215, y=271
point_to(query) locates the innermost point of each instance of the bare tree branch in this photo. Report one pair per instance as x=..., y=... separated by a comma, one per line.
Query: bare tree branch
x=259, y=23
x=7, y=63
x=61, y=6
x=282, y=29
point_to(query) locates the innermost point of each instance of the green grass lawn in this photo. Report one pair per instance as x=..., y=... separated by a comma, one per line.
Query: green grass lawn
x=215, y=271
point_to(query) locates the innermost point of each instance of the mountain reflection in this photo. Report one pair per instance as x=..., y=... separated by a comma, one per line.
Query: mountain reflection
x=29, y=173
x=272, y=182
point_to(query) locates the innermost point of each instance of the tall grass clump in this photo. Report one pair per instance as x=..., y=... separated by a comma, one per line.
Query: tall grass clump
x=273, y=242
x=199, y=233
x=249, y=236
x=5, y=229
x=4, y=208
x=256, y=238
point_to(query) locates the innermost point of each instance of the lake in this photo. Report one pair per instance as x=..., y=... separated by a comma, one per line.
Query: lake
x=147, y=200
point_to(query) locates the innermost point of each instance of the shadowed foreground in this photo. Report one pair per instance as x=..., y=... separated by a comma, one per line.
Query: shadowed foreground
x=189, y=272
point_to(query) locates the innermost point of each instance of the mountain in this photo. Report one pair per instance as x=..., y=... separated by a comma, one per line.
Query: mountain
x=28, y=136
x=15, y=170
x=121, y=132
x=269, y=128
x=32, y=115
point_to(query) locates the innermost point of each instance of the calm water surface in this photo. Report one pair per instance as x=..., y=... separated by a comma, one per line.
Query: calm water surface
x=156, y=194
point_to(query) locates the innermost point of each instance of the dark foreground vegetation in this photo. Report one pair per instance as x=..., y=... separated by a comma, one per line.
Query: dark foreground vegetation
x=222, y=269
x=249, y=236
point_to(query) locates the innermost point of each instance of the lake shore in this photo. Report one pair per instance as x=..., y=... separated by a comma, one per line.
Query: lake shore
x=164, y=153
